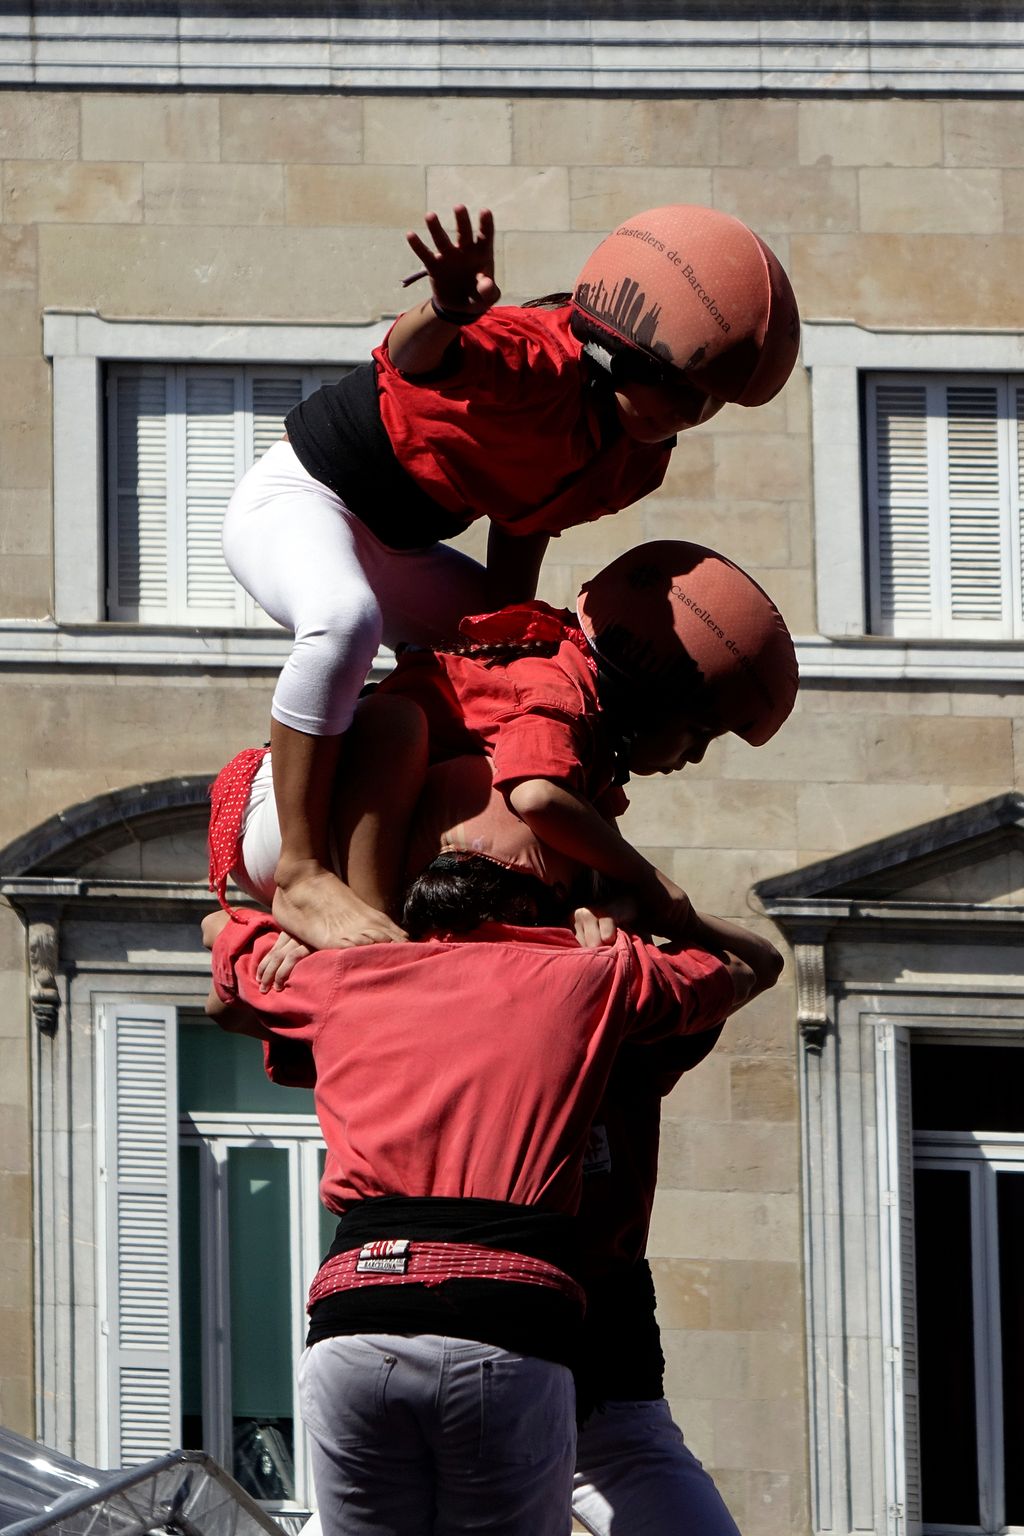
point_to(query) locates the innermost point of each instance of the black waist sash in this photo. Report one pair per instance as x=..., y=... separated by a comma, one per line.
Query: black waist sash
x=527, y=1319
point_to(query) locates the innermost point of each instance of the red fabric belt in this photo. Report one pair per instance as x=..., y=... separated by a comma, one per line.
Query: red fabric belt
x=401, y=1261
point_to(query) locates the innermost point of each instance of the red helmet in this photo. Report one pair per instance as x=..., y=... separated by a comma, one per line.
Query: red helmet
x=697, y=290
x=690, y=624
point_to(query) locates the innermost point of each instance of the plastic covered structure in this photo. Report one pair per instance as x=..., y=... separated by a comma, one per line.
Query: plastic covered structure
x=184, y=1492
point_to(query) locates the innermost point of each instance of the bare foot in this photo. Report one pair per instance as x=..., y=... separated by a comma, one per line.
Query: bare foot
x=313, y=905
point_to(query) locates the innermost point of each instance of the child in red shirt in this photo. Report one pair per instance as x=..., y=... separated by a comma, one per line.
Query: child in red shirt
x=672, y=645
x=545, y=417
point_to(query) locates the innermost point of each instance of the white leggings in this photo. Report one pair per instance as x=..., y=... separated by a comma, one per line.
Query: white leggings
x=317, y=570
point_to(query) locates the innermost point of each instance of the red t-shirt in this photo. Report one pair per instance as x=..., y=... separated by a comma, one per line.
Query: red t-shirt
x=534, y=716
x=468, y=1067
x=511, y=432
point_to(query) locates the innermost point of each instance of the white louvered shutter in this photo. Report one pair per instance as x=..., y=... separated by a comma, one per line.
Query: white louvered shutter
x=139, y=1317
x=180, y=439
x=899, y=501
x=944, y=514
x=213, y=463
x=271, y=397
x=979, y=565
x=139, y=474
x=899, y=1290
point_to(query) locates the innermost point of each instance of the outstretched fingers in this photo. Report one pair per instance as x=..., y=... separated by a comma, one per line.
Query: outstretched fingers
x=461, y=270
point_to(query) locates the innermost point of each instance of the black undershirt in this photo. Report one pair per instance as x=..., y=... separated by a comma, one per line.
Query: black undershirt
x=621, y=1359
x=339, y=439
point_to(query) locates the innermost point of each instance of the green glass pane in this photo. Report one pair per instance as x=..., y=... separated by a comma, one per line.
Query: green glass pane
x=222, y=1072
x=191, y=1299
x=967, y=1087
x=262, y=1366
x=260, y=1263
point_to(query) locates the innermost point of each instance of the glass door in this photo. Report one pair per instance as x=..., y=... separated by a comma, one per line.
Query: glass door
x=252, y=1233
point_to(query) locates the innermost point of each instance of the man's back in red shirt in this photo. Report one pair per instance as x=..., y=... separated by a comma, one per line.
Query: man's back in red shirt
x=470, y=1066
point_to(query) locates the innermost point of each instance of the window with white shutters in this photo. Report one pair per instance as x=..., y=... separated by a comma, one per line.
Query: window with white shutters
x=944, y=456
x=209, y=1232
x=950, y=1125
x=180, y=437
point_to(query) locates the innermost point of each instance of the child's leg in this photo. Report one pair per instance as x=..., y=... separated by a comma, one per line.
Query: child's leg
x=310, y=901
x=382, y=774
x=293, y=545
x=380, y=777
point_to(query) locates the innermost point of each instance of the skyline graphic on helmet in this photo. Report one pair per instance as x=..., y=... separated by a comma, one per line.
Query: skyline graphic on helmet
x=697, y=290
x=625, y=311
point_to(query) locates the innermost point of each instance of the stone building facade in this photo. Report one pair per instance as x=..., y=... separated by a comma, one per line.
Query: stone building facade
x=231, y=192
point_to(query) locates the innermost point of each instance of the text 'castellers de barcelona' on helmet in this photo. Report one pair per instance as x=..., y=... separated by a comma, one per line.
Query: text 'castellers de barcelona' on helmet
x=696, y=634
x=696, y=291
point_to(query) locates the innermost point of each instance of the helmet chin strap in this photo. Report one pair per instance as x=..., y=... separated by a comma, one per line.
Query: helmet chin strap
x=612, y=689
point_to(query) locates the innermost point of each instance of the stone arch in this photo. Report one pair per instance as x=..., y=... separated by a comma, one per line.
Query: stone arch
x=84, y=835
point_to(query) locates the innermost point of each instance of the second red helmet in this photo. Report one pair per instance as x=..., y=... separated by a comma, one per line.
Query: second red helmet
x=693, y=633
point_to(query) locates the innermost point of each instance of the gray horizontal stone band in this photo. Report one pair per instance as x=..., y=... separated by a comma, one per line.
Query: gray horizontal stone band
x=158, y=47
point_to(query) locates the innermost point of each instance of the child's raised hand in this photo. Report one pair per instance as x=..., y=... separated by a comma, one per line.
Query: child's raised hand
x=461, y=272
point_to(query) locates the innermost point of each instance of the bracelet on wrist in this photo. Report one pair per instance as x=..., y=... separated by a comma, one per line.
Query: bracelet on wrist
x=452, y=316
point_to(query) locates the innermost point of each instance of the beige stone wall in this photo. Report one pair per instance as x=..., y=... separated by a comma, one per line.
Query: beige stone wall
x=76, y=736
x=292, y=207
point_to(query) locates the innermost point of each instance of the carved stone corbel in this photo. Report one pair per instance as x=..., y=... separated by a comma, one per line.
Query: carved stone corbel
x=811, y=993
x=44, y=993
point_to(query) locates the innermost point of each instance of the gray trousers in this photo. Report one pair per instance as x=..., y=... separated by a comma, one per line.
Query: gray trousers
x=431, y=1436
x=636, y=1476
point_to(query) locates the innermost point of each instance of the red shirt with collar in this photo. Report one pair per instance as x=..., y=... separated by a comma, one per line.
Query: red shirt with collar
x=468, y=1067
x=534, y=716
x=510, y=430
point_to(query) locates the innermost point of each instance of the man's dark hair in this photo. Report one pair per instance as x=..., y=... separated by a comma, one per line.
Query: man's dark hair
x=459, y=891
